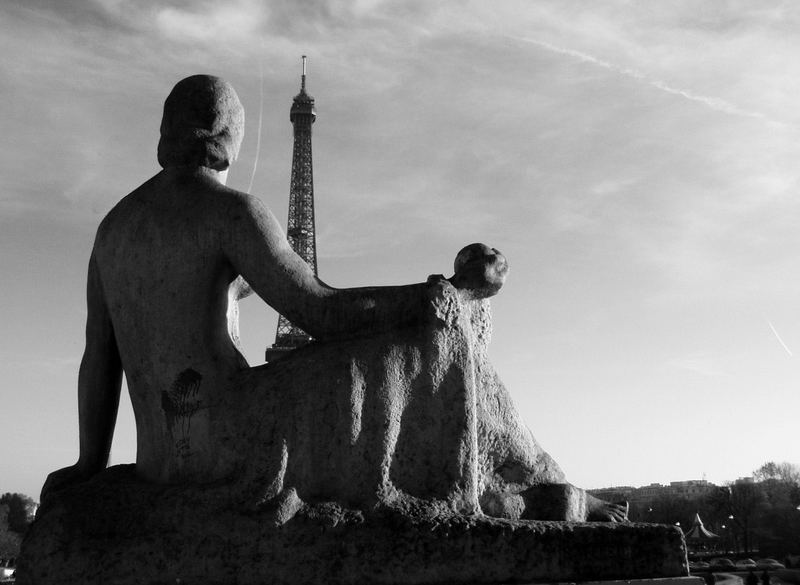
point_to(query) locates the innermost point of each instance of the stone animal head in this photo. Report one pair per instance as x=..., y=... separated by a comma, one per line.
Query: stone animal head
x=203, y=124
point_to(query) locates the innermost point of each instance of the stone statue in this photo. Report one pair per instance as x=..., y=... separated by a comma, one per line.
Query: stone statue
x=161, y=284
x=395, y=407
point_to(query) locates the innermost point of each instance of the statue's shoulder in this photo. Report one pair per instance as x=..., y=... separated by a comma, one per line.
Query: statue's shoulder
x=243, y=206
x=116, y=216
x=241, y=200
x=115, y=221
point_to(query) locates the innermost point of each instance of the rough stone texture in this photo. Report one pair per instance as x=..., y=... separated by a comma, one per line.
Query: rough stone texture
x=659, y=581
x=413, y=413
x=364, y=461
x=115, y=530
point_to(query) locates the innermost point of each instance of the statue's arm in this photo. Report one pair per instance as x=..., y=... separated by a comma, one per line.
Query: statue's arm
x=257, y=248
x=99, y=386
x=99, y=379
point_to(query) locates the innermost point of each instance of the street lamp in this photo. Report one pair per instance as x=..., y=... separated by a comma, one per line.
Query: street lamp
x=726, y=537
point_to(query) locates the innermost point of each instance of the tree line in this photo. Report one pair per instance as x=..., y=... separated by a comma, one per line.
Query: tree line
x=16, y=515
x=763, y=514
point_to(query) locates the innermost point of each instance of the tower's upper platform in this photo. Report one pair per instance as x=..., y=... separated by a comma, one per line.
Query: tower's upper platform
x=303, y=104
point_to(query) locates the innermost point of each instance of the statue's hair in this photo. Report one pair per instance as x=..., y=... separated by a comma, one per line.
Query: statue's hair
x=203, y=124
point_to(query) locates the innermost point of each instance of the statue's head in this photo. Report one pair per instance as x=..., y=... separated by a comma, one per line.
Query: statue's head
x=203, y=124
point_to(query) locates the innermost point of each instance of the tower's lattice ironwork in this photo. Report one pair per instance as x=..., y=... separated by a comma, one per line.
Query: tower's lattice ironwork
x=300, y=226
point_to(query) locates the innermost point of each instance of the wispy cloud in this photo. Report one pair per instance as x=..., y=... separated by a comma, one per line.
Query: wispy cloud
x=698, y=363
x=214, y=23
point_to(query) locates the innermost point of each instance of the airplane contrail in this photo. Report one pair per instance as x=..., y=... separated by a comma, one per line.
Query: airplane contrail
x=778, y=337
x=260, y=118
x=716, y=104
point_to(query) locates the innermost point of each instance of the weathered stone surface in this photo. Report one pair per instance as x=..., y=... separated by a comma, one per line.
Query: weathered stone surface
x=691, y=580
x=416, y=413
x=118, y=530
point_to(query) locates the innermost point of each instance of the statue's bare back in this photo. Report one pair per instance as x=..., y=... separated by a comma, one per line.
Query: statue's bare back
x=163, y=256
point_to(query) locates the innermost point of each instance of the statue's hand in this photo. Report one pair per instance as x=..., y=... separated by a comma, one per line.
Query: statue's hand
x=63, y=478
x=241, y=288
x=480, y=271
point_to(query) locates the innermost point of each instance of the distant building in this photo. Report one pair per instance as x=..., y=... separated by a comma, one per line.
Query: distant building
x=648, y=493
x=614, y=494
x=690, y=489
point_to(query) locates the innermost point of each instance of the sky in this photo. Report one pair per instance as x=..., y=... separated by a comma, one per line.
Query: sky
x=636, y=162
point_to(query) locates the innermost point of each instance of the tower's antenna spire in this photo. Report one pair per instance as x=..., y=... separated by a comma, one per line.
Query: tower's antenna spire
x=303, y=79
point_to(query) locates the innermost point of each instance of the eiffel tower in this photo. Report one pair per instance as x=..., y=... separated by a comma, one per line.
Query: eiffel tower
x=300, y=225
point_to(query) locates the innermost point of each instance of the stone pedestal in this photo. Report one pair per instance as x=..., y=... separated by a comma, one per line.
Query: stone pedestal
x=661, y=581
x=115, y=530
